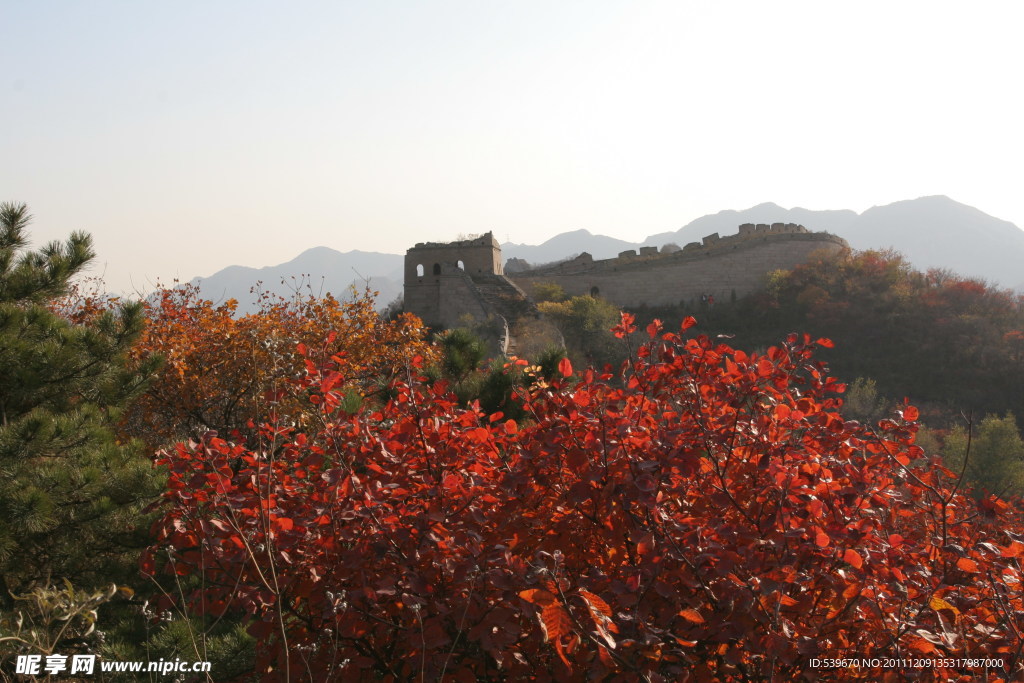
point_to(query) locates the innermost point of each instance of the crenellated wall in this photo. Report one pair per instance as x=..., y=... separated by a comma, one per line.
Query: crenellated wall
x=478, y=255
x=441, y=291
x=437, y=288
x=717, y=266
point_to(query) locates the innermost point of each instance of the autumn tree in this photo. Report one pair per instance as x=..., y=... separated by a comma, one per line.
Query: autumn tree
x=708, y=514
x=225, y=373
x=223, y=370
x=70, y=492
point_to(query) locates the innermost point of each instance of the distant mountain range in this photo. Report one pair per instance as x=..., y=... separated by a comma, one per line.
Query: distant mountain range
x=931, y=232
x=567, y=244
x=320, y=270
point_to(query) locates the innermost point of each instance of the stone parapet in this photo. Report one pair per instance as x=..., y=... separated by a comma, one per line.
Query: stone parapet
x=748, y=236
x=442, y=281
x=717, y=267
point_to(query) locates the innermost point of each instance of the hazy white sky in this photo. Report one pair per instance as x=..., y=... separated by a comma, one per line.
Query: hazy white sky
x=189, y=136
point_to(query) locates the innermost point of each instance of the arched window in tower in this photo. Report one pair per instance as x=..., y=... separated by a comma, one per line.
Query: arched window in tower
x=462, y=266
x=419, y=270
x=437, y=269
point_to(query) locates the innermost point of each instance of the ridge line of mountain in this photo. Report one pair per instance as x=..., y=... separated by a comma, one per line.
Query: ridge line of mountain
x=931, y=232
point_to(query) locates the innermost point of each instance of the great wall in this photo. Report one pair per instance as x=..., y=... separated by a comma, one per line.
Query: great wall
x=448, y=283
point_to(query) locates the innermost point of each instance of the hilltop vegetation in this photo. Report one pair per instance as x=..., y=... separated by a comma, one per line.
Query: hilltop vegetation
x=952, y=344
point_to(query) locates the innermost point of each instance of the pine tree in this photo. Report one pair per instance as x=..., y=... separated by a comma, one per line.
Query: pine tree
x=70, y=493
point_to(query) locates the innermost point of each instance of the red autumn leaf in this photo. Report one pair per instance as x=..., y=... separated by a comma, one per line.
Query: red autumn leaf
x=601, y=615
x=1015, y=549
x=921, y=645
x=555, y=621
x=853, y=558
x=691, y=615
x=937, y=604
x=625, y=326
x=345, y=490
x=538, y=596
x=645, y=545
x=688, y=322
x=967, y=564
x=565, y=367
x=478, y=435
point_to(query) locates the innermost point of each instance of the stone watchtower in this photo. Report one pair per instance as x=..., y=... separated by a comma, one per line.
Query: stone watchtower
x=439, y=278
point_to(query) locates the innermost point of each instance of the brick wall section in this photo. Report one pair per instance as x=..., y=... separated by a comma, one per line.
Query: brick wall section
x=480, y=255
x=438, y=290
x=441, y=300
x=717, y=268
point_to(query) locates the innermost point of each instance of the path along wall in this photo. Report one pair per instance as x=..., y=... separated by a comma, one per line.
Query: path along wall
x=718, y=267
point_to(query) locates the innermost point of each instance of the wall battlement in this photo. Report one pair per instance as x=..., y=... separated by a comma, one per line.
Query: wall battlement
x=480, y=255
x=436, y=283
x=749, y=235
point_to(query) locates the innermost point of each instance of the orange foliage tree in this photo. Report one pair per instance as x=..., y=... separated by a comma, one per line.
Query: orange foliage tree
x=709, y=516
x=222, y=370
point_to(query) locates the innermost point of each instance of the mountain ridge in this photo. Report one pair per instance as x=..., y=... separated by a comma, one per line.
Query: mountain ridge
x=931, y=232
x=318, y=270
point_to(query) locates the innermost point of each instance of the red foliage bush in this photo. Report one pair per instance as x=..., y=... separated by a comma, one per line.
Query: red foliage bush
x=710, y=516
